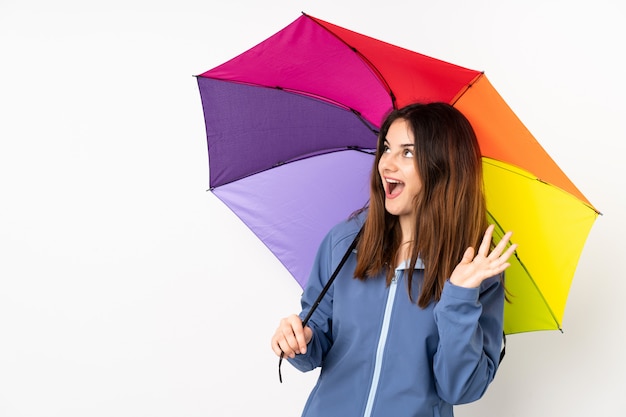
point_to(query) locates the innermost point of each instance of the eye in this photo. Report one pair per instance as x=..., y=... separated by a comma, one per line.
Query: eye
x=408, y=153
x=385, y=148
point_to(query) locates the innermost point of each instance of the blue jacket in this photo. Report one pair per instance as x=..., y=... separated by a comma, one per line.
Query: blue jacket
x=382, y=355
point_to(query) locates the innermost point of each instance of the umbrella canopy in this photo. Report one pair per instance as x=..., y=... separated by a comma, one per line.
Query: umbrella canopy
x=291, y=124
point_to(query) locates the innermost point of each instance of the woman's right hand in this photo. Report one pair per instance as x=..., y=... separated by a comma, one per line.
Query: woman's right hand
x=291, y=337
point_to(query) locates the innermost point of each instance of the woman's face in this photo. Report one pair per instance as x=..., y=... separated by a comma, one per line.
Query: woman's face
x=398, y=171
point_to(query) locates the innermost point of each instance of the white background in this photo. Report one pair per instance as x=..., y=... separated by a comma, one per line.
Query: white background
x=127, y=289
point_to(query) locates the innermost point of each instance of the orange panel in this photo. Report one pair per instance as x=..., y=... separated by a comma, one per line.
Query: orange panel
x=504, y=137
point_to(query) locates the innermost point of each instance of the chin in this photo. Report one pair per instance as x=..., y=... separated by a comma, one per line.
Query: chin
x=393, y=212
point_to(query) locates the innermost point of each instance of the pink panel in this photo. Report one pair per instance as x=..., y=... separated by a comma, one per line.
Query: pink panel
x=306, y=58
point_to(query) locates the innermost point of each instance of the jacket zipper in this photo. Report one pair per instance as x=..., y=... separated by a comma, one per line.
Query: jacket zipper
x=381, y=344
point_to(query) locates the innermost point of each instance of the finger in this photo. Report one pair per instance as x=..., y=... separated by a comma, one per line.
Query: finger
x=276, y=346
x=280, y=346
x=293, y=336
x=468, y=255
x=301, y=339
x=486, y=243
x=288, y=343
x=501, y=263
x=298, y=331
x=279, y=343
x=299, y=344
x=499, y=248
x=501, y=268
x=509, y=252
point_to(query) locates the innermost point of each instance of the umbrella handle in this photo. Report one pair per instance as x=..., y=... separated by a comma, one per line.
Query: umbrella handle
x=332, y=278
x=323, y=293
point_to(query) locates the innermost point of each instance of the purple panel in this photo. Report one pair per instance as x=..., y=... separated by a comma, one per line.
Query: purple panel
x=292, y=207
x=251, y=129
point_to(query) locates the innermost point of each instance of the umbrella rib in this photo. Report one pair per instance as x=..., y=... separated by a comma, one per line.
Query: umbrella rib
x=529, y=175
x=328, y=100
x=466, y=88
x=378, y=75
x=303, y=93
x=324, y=152
x=299, y=158
x=367, y=125
x=532, y=280
x=370, y=65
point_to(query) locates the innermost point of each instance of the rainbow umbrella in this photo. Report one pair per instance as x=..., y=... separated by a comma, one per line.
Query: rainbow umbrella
x=291, y=124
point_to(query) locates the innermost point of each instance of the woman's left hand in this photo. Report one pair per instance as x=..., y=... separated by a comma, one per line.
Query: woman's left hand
x=472, y=270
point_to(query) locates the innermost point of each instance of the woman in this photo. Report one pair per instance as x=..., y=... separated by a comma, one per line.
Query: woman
x=413, y=322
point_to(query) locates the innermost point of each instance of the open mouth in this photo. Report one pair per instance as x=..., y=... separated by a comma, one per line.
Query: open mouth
x=394, y=187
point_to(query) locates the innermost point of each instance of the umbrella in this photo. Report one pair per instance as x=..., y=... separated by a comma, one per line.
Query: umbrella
x=291, y=124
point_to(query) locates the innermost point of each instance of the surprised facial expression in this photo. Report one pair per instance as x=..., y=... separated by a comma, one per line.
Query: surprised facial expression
x=398, y=171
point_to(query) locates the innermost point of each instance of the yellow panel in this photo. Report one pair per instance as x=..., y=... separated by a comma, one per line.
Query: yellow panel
x=550, y=226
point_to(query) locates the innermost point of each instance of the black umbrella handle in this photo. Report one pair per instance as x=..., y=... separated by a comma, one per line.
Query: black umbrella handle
x=332, y=279
x=323, y=293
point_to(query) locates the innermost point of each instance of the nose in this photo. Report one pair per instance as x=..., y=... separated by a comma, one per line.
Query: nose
x=387, y=163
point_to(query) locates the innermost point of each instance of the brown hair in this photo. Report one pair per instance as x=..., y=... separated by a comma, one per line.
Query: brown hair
x=451, y=209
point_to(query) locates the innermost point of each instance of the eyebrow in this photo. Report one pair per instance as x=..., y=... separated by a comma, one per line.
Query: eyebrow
x=403, y=145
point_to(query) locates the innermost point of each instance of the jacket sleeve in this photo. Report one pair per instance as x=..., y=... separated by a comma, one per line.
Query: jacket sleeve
x=470, y=325
x=321, y=320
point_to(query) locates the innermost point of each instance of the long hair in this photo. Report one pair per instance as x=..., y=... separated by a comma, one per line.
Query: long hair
x=450, y=209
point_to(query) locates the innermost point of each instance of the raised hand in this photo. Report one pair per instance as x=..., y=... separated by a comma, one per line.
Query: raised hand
x=475, y=268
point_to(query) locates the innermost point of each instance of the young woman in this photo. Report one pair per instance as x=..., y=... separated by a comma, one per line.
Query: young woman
x=413, y=322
